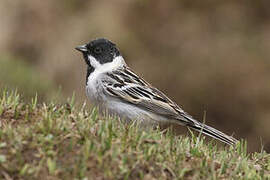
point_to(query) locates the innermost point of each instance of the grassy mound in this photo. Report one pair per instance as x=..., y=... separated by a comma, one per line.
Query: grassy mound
x=51, y=141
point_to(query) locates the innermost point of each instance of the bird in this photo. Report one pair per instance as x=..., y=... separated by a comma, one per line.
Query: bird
x=117, y=90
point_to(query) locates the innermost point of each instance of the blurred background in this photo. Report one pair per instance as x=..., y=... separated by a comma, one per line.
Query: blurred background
x=212, y=56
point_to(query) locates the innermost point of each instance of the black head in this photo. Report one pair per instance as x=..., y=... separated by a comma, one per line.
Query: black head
x=102, y=50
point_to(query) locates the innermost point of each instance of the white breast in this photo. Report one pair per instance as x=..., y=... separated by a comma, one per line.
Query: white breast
x=113, y=106
x=94, y=88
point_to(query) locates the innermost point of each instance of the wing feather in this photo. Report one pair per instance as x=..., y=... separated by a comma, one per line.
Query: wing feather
x=126, y=85
x=130, y=88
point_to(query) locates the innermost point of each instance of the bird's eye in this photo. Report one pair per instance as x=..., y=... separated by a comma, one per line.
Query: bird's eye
x=98, y=50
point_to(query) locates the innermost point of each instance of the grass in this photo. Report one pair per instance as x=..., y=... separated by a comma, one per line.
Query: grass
x=63, y=141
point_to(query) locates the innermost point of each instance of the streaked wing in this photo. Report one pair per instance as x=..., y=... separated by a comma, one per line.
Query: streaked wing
x=127, y=86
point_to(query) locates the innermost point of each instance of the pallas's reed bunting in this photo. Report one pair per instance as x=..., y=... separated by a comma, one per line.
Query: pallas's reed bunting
x=116, y=89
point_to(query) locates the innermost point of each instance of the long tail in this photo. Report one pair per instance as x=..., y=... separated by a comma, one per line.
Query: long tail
x=212, y=132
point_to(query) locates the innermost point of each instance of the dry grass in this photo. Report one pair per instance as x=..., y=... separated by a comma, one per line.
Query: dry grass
x=51, y=141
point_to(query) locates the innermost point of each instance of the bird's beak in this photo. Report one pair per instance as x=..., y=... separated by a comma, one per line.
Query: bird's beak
x=81, y=48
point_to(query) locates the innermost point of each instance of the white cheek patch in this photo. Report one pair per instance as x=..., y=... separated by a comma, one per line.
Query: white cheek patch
x=94, y=63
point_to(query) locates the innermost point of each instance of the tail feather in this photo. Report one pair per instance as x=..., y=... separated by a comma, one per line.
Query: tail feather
x=212, y=132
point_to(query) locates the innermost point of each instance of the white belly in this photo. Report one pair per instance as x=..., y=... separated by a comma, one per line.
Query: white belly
x=114, y=107
x=127, y=112
x=130, y=113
